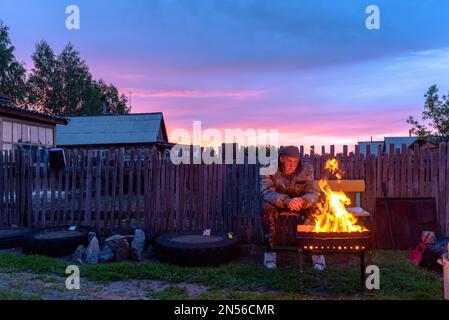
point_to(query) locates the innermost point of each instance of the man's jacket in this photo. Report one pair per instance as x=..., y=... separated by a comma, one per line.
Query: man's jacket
x=279, y=188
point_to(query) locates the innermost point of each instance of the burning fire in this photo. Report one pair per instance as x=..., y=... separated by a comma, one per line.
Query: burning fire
x=332, y=166
x=332, y=215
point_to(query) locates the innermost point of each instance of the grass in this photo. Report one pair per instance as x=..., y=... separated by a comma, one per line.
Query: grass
x=16, y=295
x=250, y=295
x=36, y=264
x=169, y=293
x=398, y=280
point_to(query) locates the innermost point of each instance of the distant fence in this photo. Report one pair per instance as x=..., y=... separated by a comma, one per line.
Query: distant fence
x=110, y=192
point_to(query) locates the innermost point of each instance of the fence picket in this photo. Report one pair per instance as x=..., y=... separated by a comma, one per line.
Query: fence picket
x=446, y=198
x=98, y=170
x=3, y=179
x=73, y=193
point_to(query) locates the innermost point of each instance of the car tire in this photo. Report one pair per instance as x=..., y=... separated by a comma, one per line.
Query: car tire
x=12, y=237
x=62, y=244
x=190, y=248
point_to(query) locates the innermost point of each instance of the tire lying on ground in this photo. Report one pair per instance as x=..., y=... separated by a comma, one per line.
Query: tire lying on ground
x=190, y=248
x=55, y=241
x=433, y=253
x=12, y=237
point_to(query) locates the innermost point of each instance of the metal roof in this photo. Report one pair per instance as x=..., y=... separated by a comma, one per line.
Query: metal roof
x=112, y=129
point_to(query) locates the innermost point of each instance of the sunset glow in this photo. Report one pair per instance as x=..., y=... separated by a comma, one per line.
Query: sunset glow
x=306, y=68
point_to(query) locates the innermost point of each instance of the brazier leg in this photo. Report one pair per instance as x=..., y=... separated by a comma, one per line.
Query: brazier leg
x=301, y=271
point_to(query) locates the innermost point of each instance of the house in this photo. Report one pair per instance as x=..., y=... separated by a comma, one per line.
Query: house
x=372, y=144
x=397, y=142
x=26, y=129
x=103, y=132
x=427, y=143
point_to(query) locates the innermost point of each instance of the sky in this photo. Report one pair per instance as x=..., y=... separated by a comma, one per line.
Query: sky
x=310, y=69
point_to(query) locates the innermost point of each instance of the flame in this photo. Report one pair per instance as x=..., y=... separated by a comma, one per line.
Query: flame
x=332, y=215
x=332, y=166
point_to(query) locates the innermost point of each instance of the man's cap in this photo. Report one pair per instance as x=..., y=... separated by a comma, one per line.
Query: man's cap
x=289, y=151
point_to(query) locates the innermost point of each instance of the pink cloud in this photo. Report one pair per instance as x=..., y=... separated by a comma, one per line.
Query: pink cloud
x=320, y=131
x=235, y=94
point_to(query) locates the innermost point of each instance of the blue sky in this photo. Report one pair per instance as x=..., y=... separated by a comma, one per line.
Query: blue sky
x=307, y=68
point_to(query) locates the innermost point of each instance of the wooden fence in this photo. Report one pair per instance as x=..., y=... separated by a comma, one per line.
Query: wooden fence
x=147, y=191
x=142, y=191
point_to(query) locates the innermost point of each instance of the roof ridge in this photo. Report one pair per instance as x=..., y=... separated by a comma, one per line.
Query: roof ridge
x=115, y=115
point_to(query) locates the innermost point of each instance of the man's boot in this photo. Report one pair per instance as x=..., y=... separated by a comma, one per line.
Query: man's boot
x=270, y=260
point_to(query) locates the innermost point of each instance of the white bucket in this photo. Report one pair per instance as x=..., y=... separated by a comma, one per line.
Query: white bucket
x=445, y=263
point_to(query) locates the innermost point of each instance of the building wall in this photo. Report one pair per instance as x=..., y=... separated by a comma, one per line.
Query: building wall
x=15, y=133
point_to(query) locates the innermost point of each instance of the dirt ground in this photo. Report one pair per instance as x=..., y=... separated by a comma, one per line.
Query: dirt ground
x=52, y=287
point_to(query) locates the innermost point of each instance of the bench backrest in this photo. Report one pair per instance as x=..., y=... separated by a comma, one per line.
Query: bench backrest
x=351, y=188
x=347, y=185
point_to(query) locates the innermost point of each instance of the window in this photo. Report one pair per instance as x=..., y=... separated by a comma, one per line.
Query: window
x=34, y=134
x=16, y=132
x=7, y=131
x=49, y=136
x=25, y=133
x=41, y=135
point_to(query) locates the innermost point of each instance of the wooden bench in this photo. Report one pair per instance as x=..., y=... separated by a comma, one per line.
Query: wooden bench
x=287, y=222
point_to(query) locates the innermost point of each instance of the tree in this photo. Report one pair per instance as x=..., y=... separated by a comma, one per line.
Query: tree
x=12, y=72
x=436, y=114
x=115, y=103
x=63, y=85
x=45, y=85
x=76, y=82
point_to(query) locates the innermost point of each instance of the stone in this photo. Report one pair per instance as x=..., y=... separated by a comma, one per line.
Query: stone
x=90, y=236
x=91, y=257
x=138, y=245
x=149, y=253
x=94, y=245
x=106, y=255
x=129, y=238
x=119, y=246
x=79, y=255
x=93, y=251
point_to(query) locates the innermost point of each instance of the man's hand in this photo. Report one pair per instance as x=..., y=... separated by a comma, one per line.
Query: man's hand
x=295, y=204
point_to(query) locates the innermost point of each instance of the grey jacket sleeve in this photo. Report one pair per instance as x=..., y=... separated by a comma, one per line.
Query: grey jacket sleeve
x=312, y=194
x=270, y=194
